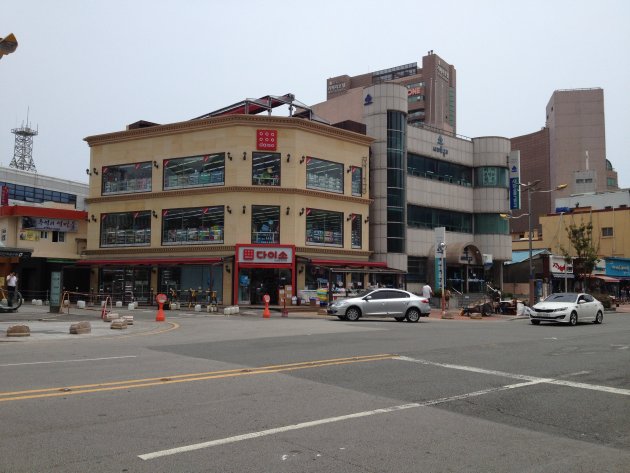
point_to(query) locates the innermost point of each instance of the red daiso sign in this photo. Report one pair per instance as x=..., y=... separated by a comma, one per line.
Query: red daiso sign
x=265, y=254
x=266, y=139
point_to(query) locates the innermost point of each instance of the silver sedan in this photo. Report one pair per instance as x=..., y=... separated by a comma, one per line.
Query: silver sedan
x=569, y=308
x=394, y=303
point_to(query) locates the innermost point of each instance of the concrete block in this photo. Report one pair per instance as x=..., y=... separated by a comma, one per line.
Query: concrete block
x=131, y=306
x=118, y=303
x=198, y=308
x=109, y=317
x=128, y=319
x=34, y=301
x=18, y=331
x=80, y=328
x=39, y=302
x=80, y=304
x=119, y=324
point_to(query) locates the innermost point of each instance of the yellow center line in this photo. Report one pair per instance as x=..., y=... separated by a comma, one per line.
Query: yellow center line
x=148, y=382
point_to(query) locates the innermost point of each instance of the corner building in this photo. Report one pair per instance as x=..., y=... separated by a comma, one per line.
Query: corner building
x=422, y=179
x=239, y=205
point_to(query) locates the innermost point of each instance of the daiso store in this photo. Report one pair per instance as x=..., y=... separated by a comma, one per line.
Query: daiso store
x=264, y=269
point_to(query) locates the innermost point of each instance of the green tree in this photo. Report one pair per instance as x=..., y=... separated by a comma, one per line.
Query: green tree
x=583, y=250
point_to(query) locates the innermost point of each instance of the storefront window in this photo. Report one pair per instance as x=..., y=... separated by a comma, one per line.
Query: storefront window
x=193, y=226
x=194, y=171
x=324, y=227
x=189, y=284
x=266, y=169
x=324, y=175
x=265, y=224
x=357, y=181
x=126, y=229
x=356, y=232
x=127, y=178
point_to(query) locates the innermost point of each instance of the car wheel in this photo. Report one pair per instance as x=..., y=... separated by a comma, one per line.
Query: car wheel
x=599, y=318
x=341, y=317
x=399, y=319
x=535, y=322
x=353, y=314
x=413, y=315
x=573, y=318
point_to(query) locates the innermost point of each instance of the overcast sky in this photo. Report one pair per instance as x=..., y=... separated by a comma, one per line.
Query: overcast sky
x=88, y=67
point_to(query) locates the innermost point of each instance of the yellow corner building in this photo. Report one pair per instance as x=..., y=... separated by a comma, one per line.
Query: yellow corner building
x=232, y=205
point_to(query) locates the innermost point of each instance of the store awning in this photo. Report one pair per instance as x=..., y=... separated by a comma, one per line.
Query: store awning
x=149, y=261
x=350, y=263
x=603, y=278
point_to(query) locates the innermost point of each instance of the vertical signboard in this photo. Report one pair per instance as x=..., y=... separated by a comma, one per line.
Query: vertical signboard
x=440, y=256
x=56, y=284
x=514, y=167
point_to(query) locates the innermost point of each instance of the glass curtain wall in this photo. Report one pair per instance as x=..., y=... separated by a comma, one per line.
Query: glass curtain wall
x=396, y=147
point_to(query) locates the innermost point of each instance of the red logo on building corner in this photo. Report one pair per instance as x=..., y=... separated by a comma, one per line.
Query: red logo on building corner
x=266, y=139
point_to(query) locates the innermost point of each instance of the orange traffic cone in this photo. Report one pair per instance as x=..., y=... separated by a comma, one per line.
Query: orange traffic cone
x=266, y=313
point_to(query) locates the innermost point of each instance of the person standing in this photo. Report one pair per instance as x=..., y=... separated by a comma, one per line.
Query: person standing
x=427, y=292
x=11, y=287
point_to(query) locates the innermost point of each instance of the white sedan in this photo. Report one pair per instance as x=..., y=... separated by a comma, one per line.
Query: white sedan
x=568, y=308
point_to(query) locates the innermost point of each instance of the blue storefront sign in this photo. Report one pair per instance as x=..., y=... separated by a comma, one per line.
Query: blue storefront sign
x=618, y=268
x=514, y=165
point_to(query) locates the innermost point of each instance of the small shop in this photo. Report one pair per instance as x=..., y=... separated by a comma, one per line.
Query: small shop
x=560, y=274
x=264, y=269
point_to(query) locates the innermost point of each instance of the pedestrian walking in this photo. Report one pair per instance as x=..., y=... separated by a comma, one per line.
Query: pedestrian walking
x=12, y=280
x=427, y=292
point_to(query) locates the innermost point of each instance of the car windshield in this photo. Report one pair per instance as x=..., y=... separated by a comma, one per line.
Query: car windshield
x=562, y=297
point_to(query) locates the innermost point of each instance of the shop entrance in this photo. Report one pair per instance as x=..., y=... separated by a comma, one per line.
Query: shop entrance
x=261, y=281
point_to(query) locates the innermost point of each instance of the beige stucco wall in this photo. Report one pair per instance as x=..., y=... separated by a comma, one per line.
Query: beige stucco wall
x=235, y=135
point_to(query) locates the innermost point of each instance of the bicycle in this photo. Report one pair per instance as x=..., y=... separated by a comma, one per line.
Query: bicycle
x=4, y=301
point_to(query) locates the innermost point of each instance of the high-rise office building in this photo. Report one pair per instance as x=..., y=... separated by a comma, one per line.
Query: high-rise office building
x=570, y=149
x=431, y=90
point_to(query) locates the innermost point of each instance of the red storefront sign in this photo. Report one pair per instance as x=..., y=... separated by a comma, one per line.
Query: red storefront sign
x=266, y=139
x=265, y=254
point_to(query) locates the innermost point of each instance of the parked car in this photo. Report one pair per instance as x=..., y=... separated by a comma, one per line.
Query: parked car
x=569, y=308
x=385, y=302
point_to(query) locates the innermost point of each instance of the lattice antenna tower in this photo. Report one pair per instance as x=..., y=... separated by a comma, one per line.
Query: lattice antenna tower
x=23, y=150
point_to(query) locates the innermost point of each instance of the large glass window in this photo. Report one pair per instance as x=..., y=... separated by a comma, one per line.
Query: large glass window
x=491, y=176
x=265, y=224
x=357, y=180
x=431, y=168
x=135, y=177
x=193, y=226
x=126, y=229
x=194, y=171
x=416, y=269
x=491, y=224
x=356, y=235
x=324, y=175
x=33, y=194
x=324, y=227
x=429, y=218
x=266, y=169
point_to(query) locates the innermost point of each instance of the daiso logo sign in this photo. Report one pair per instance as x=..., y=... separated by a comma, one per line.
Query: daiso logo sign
x=250, y=254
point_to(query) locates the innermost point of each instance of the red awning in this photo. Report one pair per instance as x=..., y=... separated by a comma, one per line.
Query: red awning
x=46, y=212
x=603, y=278
x=353, y=263
x=149, y=261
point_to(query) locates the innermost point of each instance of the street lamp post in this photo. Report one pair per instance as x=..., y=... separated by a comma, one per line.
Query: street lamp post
x=532, y=188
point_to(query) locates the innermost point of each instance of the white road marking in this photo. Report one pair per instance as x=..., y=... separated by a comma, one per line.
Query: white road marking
x=526, y=381
x=68, y=361
x=329, y=420
x=572, y=384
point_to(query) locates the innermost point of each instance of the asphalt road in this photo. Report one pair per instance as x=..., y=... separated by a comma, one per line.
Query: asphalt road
x=241, y=394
